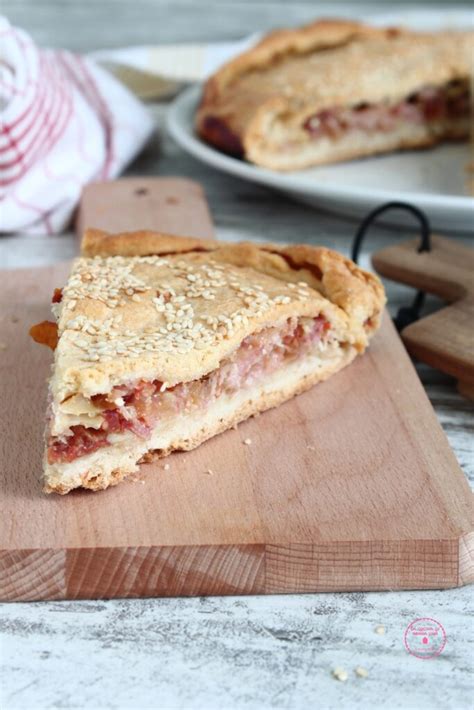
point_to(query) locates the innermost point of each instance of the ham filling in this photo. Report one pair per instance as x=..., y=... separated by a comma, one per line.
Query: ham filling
x=139, y=408
x=430, y=105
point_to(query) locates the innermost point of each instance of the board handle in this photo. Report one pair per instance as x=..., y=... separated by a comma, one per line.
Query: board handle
x=169, y=205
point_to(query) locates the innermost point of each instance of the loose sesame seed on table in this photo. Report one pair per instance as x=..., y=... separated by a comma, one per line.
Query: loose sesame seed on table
x=235, y=652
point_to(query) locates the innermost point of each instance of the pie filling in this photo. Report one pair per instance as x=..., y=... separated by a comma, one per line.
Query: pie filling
x=430, y=105
x=139, y=408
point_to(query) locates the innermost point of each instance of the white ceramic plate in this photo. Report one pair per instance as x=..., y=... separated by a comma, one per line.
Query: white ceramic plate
x=432, y=180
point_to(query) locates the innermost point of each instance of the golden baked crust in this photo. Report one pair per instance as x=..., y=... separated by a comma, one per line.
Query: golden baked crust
x=333, y=275
x=318, y=35
x=110, y=302
x=174, y=314
x=292, y=75
x=96, y=242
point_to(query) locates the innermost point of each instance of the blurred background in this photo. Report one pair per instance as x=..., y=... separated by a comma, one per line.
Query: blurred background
x=93, y=24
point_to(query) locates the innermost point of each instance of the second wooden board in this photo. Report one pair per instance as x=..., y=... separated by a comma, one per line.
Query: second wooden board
x=445, y=339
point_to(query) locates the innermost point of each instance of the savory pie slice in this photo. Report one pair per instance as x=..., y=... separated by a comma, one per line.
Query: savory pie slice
x=336, y=90
x=160, y=351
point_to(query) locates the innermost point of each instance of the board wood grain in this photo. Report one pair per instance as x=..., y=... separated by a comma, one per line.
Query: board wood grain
x=350, y=486
x=445, y=339
x=172, y=205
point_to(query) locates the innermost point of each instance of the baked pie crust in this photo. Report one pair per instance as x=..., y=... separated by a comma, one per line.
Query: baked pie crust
x=336, y=90
x=165, y=341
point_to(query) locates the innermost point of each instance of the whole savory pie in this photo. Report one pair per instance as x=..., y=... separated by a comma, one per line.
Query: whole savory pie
x=336, y=90
x=163, y=342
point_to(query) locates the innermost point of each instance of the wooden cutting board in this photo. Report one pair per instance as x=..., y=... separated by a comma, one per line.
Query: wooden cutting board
x=351, y=486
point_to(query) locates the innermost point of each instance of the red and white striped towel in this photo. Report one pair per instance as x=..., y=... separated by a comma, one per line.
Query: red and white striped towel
x=64, y=122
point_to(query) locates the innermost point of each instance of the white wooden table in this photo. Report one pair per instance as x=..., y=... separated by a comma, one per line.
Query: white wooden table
x=238, y=652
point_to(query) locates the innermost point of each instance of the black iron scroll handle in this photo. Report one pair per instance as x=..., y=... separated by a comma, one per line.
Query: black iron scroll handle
x=406, y=314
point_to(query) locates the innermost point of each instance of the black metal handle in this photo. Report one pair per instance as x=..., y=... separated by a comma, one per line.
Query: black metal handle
x=425, y=227
x=406, y=314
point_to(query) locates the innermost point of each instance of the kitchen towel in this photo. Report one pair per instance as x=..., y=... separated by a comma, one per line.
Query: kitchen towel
x=64, y=121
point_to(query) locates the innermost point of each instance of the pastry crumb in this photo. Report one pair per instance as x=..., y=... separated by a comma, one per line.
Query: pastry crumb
x=380, y=630
x=247, y=442
x=340, y=674
x=166, y=467
x=361, y=672
x=208, y=472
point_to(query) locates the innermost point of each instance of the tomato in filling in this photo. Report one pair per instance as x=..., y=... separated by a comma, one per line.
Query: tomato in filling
x=427, y=105
x=138, y=408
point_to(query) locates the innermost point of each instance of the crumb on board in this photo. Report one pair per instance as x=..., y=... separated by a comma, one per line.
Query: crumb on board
x=166, y=467
x=136, y=478
x=247, y=442
x=380, y=630
x=361, y=672
x=340, y=674
x=209, y=472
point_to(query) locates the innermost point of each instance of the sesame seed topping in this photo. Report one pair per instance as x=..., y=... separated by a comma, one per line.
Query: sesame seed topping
x=180, y=302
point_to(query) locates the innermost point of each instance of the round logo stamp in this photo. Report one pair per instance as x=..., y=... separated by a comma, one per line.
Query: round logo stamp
x=425, y=638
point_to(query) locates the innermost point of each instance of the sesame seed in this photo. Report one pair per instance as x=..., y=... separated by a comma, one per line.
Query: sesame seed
x=177, y=321
x=247, y=442
x=361, y=672
x=340, y=674
x=380, y=630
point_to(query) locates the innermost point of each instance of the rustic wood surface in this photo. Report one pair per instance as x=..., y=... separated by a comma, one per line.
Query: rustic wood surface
x=444, y=339
x=229, y=652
